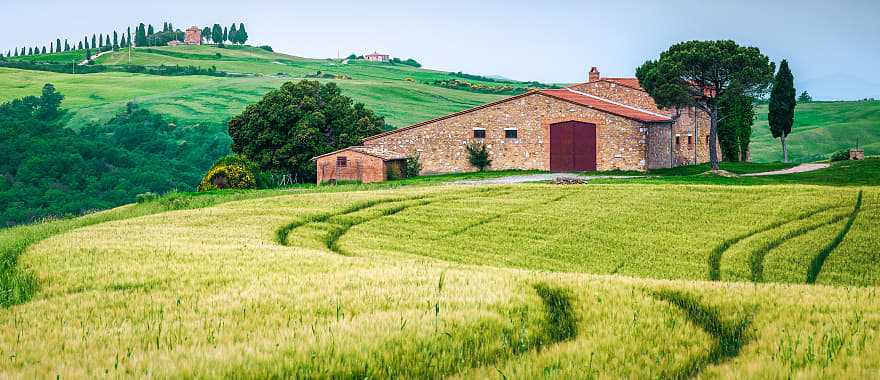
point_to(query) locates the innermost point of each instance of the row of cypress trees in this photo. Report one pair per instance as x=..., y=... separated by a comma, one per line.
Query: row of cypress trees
x=143, y=33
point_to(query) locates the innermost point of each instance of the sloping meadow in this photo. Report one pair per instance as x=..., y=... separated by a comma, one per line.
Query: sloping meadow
x=528, y=281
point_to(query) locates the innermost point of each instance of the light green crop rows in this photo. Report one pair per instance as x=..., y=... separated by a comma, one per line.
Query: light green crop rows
x=382, y=284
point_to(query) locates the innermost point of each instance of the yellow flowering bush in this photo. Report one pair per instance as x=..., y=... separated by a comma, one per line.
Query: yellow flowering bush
x=232, y=176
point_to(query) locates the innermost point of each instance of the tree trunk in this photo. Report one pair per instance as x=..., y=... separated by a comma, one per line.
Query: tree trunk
x=713, y=137
x=784, y=149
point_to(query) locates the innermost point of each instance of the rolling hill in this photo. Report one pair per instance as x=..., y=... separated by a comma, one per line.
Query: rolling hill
x=453, y=281
x=820, y=129
x=398, y=92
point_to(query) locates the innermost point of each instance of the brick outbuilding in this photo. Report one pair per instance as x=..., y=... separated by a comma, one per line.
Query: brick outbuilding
x=358, y=163
x=602, y=124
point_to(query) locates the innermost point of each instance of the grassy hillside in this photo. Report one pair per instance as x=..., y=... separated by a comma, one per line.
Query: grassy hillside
x=459, y=281
x=820, y=129
x=397, y=92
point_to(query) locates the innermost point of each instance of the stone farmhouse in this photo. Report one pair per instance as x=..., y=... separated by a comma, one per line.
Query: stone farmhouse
x=599, y=125
x=193, y=36
x=377, y=57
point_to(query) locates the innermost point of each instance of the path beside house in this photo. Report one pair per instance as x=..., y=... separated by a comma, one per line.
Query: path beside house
x=547, y=177
x=802, y=168
x=543, y=177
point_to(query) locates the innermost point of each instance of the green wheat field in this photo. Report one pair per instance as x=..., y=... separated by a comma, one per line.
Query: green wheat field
x=460, y=281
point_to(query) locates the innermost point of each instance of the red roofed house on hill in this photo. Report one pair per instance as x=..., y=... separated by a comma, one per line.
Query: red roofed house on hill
x=376, y=57
x=193, y=36
x=602, y=124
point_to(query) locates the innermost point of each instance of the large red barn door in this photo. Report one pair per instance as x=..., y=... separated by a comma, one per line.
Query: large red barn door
x=572, y=147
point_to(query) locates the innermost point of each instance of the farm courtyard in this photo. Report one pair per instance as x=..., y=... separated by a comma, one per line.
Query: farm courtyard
x=615, y=280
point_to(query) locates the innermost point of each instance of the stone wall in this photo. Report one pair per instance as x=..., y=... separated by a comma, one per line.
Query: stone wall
x=684, y=127
x=440, y=145
x=619, y=93
x=359, y=167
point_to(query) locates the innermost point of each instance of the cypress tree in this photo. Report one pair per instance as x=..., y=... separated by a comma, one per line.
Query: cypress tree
x=242, y=34
x=66, y=45
x=86, y=43
x=16, y=52
x=43, y=51
x=225, y=34
x=217, y=34
x=51, y=47
x=233, y=34
x=101, y=40
x=781, y=108
x=80, y=46
x=170, y=27
x=128, y=40
x=30, y=51
x=88, y=55
x=94, y=42
x=115, y=40
x=150, y=30
x=107, y=40
x=140, y=36
x=206, y=34
x=164, y=26
x=57, y=45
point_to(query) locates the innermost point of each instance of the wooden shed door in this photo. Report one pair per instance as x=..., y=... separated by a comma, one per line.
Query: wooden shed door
x=572, y=147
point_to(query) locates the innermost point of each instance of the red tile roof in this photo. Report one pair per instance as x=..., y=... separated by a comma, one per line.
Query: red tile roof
x=628, y=82
x=375, y=151
x=561, y=94
x=608, y=106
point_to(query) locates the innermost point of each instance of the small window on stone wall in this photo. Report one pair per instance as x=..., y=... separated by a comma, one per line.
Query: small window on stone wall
x=479, y=133
x=707, y=139
x=677, y=140
x=341, y=162
x=510, y=133
x=690, y=140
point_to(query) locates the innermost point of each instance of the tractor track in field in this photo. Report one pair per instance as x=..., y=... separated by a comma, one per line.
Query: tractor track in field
x=729, y=337
x=499, y=215
x=756, y=260
x=819, y=259
x=718, y=252
x=342, y=226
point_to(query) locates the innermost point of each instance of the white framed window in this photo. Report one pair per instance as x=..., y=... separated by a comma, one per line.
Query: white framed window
x=510, y=133
x=479, y=133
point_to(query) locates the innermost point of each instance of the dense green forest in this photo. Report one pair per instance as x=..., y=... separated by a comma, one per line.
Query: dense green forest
x=47, y=169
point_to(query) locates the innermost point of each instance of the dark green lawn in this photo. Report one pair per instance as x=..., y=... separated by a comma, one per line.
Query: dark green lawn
x=843, y=173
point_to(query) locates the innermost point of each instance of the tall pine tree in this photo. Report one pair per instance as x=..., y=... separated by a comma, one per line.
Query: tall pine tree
x=57, y=45
x=94, y=42
x=115, y=41
x=781, y=107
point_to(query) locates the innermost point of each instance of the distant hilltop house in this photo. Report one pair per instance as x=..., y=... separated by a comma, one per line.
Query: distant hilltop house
x=599, y=125
x=193, y=36
x=377, y=57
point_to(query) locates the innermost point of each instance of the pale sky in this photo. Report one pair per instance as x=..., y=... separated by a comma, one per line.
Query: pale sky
x=831, y=45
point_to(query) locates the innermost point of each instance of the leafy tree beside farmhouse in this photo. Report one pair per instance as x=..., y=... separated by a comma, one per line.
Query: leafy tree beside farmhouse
x=289, y=126
x=700, y=73
x=781, y=108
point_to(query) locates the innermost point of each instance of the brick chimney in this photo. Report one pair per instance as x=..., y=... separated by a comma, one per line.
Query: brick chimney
x=594, y=74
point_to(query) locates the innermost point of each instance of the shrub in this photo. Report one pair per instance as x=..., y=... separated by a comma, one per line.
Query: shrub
x=842, y=155
x=266, y=48
x=412, y=167
x=146, y=197
x=230, y=172
x=478, y=155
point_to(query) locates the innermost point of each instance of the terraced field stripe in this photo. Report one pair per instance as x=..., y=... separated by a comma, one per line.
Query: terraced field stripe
x=756, y=261
x=729, y=338
x=819, y=259
x=718, y=252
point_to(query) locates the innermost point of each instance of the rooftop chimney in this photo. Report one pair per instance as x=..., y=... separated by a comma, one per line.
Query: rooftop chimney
x=594, y=74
